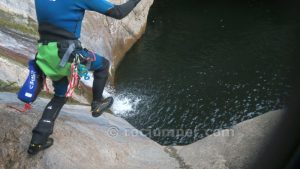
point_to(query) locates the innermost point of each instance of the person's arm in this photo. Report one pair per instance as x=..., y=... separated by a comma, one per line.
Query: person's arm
x=107, y=8
x=121, y=11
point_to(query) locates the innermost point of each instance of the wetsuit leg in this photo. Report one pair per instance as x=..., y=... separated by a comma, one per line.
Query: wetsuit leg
x=100, y=78
x=60, y=87
x=44, y=128
x=101, y=69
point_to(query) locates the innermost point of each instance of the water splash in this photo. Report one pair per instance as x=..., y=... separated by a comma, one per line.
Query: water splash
x=124, y=103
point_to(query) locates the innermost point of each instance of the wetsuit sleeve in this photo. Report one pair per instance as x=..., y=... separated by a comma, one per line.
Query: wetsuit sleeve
x=109, y=9
x=101, y=6
x=120, y=11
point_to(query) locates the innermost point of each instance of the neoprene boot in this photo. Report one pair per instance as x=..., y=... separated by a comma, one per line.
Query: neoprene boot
x=99, y=104
x=98, y=107
x=40, y=134
x=35, y=148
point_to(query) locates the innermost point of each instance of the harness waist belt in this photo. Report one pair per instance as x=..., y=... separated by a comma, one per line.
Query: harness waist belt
x=65, y=49
x=66, y=56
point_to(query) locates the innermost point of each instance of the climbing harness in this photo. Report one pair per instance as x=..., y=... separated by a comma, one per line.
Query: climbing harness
x=77, y=72
x=46, y=65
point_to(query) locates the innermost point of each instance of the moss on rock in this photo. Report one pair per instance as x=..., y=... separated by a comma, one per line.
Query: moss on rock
x=19, y=23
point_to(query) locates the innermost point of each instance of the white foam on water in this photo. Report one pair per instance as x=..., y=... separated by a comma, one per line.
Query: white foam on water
x=124, y=103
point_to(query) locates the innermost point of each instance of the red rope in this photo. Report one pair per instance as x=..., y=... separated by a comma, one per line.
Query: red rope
x=46, y=86
x=75, y=77
x=73, y=82
x=27, y=106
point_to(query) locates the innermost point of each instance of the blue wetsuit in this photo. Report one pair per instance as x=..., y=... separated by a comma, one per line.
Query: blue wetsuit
x=68, y=15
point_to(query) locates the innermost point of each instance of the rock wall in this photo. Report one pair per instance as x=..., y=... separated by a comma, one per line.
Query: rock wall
x=113, y=38
x=24, y=8
x=12, y=71
x=106, y=36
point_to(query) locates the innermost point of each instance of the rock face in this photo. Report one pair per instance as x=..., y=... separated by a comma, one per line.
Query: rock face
x=234, y=148
x=12, y=71
x=109, y=142
x=106, y=36
x=81, y=141
x=113, y=38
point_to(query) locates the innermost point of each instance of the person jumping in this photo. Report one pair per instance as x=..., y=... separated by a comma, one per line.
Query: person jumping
x=59, y=27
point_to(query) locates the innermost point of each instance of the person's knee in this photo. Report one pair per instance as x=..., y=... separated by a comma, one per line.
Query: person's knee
x=106, y=64
x=60, y=87
x=53, y=108
x=59, y=101
x=103, y=71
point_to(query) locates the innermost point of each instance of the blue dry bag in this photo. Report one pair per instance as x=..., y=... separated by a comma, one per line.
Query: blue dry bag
x=33, y=84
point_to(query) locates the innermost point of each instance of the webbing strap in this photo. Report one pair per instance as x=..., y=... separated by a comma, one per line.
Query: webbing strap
x=67, y=55
x=89, y=63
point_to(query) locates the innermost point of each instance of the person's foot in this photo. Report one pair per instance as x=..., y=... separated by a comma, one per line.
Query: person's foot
x=35, y=148
x=99, y=107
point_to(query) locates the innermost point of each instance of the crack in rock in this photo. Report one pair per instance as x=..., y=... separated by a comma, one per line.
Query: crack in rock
x=173, y=153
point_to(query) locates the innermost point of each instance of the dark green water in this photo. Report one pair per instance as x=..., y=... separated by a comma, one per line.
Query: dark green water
x=208, y=65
